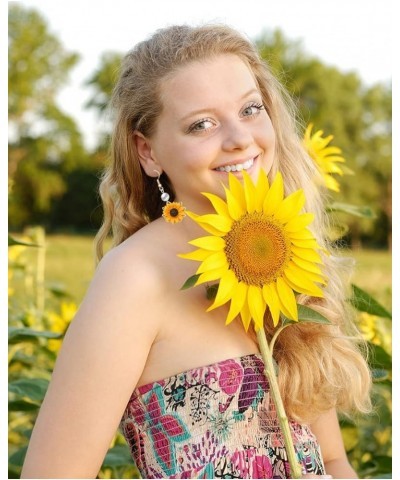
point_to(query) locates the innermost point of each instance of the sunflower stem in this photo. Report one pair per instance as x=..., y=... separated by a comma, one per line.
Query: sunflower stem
x=295, y=467
x=275, y=336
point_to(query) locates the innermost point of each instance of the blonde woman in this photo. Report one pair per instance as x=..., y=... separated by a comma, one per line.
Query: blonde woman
x=188, y=392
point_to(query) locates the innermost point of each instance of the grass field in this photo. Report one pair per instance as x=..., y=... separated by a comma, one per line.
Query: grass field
x=70, y=263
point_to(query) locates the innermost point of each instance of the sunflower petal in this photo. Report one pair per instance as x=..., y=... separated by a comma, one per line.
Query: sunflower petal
x=299, y=222
x=213, y=261
x=303, y=234
x=298, y=275
x=323, y=142
x=309, y=243
x=209, y=243
x=330, y=151
x=237, y=190
x=198, y=255
x=307, y=287
x=331, y=183
x=226, y=289
x=219, y=205
x=246, y=315
x=220, y=222
x=237, y=302
x=261, y=190
x=272, y=300
x=249, y=192
x=290, y=206
x=287, y=298
x=234, y=207
x=256, y=305
x=274, y=196
x=307, y=254
x=305, y=265
x=331, y=167
x=208, y=228
x=211, y=275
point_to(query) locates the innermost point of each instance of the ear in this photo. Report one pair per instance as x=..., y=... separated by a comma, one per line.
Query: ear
x=145, y=154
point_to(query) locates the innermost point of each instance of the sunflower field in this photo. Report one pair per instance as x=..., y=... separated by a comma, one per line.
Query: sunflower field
x=40, y=312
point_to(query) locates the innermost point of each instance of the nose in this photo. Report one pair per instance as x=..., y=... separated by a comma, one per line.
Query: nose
x=237, y=136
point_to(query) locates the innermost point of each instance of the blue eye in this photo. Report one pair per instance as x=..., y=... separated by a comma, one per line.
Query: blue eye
x=252, y=109
x=201, y=125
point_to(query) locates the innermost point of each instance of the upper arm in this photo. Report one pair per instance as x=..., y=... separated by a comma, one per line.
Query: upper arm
x=327, y=431
x=101, y=359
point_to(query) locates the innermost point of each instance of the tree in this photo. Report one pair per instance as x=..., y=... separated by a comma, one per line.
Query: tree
x=359, y=117
x=44, y=142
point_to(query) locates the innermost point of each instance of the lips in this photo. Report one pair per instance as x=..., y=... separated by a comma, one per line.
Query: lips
x=237, y=167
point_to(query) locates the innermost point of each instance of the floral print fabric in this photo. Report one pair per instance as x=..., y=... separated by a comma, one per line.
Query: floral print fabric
x=217, y=421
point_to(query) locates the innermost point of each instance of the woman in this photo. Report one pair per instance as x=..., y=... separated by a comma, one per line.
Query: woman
x=192, y=104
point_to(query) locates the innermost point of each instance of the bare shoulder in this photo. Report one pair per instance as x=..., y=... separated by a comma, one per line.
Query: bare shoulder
x=102, y=357
x=129, y=276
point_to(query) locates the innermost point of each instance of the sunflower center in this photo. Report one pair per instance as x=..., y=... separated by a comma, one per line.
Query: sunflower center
x=174, y=212
x=257, y=249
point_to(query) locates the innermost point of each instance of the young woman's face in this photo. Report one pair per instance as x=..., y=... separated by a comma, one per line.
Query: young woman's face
x=213, y=121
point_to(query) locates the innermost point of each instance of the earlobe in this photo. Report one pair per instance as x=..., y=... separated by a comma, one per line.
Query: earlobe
x=145, y=154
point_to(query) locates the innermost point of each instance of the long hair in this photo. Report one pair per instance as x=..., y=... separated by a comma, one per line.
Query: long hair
x=320, y=366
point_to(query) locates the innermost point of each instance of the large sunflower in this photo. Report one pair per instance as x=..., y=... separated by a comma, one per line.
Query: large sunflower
x=326, y=157
x=260, y=250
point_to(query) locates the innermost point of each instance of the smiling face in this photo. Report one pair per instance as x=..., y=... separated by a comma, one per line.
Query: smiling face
x=213, y=121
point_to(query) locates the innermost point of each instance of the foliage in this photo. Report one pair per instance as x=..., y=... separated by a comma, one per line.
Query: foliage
x=35, y=336
x=359, y=117
x=52, y=180
x=45, y=145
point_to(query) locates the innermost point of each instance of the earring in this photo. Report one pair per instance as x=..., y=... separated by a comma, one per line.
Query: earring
x=173, y=212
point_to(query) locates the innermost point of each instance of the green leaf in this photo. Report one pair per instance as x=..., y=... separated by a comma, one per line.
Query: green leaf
x=191, y=281
x=58, y=290
x=22, y=406
x=379, y=467
x=18, y=457
x=306, y=314
x=211, y=291
x=379, y=358
x=117, y=456
x=32, y=388
x=379, y=375
x=357, y=211
x=17, y=335
x=12, y=242
x=14, y=473
x=363, y=302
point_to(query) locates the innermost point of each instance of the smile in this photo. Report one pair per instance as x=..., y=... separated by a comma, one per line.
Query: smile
x=238, y=167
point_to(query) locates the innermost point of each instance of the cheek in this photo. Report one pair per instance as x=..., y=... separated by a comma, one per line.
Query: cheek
x=196, y=156
x=268, y=133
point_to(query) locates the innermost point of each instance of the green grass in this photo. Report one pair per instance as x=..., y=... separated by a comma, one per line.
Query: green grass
x=373, y=273
x=70, y=262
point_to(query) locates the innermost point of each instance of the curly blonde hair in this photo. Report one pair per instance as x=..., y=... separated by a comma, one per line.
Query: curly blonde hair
x=320, y=366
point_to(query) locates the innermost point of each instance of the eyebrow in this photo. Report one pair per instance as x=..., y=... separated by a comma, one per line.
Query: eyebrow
x=203, y=110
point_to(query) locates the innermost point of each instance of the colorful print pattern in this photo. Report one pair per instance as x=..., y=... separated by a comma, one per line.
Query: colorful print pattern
x=217, y=421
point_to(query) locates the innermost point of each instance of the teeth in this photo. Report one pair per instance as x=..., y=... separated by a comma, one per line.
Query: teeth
x=237, y=168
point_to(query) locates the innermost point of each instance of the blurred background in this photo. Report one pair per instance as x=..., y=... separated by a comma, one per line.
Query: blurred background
x=63, y=59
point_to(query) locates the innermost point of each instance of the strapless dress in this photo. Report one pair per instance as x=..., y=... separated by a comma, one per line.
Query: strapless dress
x=217, y=421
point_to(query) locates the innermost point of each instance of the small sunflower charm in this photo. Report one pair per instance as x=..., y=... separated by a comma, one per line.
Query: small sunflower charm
x=174, y=212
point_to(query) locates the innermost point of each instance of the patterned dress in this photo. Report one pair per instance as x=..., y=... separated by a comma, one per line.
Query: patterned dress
x=217, y=421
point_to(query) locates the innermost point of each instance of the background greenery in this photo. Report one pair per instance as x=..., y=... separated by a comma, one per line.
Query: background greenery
x=53, y=180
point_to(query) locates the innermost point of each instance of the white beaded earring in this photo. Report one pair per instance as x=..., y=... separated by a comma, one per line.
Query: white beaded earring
x=173, y=212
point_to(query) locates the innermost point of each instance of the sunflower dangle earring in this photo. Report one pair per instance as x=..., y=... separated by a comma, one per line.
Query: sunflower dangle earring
x=173, y=212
